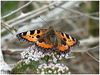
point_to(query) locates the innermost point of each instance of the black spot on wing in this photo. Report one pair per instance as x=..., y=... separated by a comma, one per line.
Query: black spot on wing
x=38, y=31
x=67, y=36
x=24, y=33
x=63, y=42
x=73, y=38
x=64, y=39
x=37, y=36
x=32, y=32
x=62, y=34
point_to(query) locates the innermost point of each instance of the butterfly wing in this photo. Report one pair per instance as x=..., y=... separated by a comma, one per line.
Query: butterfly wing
x=63, y=48
x=30, y=36
x=70, y=41
x=34, y=36
x=67, y=41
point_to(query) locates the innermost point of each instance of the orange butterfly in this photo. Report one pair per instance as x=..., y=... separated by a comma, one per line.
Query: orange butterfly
x=49, y=39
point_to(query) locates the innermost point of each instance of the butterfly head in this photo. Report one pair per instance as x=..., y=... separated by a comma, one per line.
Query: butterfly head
x=77, y=42
x=51, y=28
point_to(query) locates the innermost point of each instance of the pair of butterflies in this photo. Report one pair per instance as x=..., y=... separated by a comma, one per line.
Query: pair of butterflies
x=50, y=39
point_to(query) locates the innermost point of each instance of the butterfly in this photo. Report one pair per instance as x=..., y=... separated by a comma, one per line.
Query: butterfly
x=49, y=39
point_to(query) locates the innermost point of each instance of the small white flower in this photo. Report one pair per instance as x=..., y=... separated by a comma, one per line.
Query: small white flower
x=62, y=55
x=54, y=60
x=50, y=60
x=66, y=56
x=42, y=69
x=57, y=56
x=49, y=71
x=45, y=67
x=66, y=68
x=55, y=71
x=36, y=59
x=58, y=70
x=27, y=61
x=40, y=66
x=60, y=58
x=42, y=72
x=59, y=73
x=52, y=67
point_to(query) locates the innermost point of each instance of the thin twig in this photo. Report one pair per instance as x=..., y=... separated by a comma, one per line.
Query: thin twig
x=96, y=48
x=92, y=57
x=9, y=14
x=87, y=15
x=70, y=57
x=7, y=27
x=89, y=41
x=4, y=25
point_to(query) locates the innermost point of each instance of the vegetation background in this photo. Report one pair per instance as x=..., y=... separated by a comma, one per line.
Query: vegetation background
x=77, y=18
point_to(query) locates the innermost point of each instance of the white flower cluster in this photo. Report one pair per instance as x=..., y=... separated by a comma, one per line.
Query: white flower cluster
x=32, y=53
x=52, y=69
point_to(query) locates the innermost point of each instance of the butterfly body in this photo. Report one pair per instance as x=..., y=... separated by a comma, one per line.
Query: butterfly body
x=50, y=39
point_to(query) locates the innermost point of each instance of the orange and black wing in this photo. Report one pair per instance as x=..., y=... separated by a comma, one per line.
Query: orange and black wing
x=30, y=36
x=67, y=42
x=34, y=36
x=63, y=48
x=70, y=41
